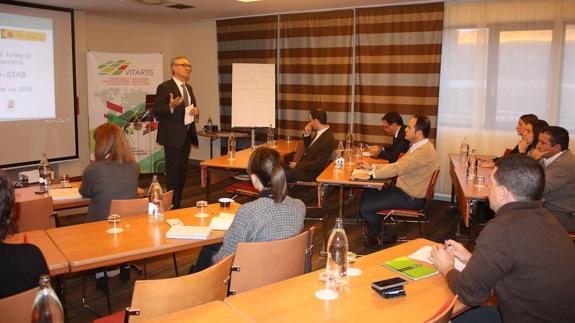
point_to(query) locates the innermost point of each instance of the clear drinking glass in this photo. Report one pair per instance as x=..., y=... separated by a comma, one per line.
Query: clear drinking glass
x=202, y=205
x=65, y=181
x=113, y=222
x=329, y=290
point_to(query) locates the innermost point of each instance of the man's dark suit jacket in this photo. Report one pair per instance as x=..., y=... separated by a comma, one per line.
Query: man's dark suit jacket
x=172, y=132
x=316, y=157
x=400, y=145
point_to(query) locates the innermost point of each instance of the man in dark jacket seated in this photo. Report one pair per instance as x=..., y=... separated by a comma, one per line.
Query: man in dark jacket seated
x=392, y=126
x=523, y=254
x=318, y=149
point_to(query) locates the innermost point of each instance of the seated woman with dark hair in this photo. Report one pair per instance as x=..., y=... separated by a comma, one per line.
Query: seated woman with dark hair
x=21, y=265
x=531, y=136
x=114, y=174
x=273, y=216
x=523, y=121
x=525, y=126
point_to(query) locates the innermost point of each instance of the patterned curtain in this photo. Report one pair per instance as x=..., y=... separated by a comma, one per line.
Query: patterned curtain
x=242, y=40
x=315, y=69
x=398, y=57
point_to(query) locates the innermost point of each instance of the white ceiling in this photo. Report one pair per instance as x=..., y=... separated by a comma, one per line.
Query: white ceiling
x=204, y=9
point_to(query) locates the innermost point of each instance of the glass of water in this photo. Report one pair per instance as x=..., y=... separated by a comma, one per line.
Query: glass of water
x=113, y=222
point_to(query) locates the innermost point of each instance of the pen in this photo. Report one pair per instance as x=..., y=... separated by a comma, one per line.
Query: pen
x=408, y=268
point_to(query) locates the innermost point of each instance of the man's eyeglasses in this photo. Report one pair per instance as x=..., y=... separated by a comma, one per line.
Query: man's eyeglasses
x=184, y=65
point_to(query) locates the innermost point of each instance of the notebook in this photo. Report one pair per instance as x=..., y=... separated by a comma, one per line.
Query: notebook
x=59, y=194
x=410, y=268
x=361, y=174
x=222, y=221
x=188, y=232
x=423, y=255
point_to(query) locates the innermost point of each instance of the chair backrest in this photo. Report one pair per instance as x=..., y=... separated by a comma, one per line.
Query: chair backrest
x=260, y=263
x=129, y=207
x=299, y=150
x=431, y=187
x=158, y=297
x=36, y=214
x=167, y=200
x=444, y=313
x=17, y=308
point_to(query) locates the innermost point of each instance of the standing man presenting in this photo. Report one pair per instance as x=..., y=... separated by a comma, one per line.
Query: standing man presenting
x=176, y=111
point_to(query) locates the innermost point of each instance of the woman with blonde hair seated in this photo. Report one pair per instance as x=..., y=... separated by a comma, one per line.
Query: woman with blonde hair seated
x=112, y=176
x=273, y=216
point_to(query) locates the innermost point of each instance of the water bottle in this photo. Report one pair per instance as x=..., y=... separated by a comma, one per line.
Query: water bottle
x=337, y=248
x=464, y=151
x=210, y=125
x=155, y=196
x=349, y=148
x=45, y=173
x=270, y=135
x=231, y=146
x=472, y=167
x=339, y=158
x=46, y=307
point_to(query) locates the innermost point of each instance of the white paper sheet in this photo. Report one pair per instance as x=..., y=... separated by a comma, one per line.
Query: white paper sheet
x=423, y=255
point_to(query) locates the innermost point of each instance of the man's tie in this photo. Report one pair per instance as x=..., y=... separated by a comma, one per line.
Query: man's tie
x=185, y=93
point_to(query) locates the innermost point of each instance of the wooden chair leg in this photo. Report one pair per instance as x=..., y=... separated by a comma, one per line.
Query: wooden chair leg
x=175, y=263
x=145, y=270
x=108, y=301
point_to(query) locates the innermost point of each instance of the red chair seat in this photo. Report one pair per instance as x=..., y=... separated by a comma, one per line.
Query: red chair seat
x=241, y=186
x=117, y=317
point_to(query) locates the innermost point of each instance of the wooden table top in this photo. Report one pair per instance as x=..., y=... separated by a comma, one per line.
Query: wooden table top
x=216, y=312
x=293, y=300
x=243, y=156
x=57, y=263
x=88, y=245
x=329, y=176
x=470, y=189
x=222, y=134
x=29, y=193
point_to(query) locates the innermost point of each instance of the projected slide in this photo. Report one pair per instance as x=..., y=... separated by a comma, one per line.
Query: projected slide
x=26, y=68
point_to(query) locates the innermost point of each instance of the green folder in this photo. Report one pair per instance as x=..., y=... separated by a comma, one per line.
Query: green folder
x=410, y=268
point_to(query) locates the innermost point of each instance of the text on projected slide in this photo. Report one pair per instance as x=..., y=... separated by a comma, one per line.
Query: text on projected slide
x=26, y=68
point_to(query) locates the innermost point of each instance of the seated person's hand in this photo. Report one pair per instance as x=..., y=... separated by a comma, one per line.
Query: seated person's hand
x=522, y=145
x=374, y=150
x=442, y=259
x=292, y=165
x=537, y=154
x=364, y=165
x=307, y=130
x=458, y=250
x=194, y=111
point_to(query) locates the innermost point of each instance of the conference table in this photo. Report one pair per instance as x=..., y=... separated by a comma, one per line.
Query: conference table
x=294, y=300
x=341, y=179
x=56, y=261
x=24, y=194
x=88, y=246
x=467, y=193
x=67, y=198
x=240, y=162
x=214, y=135
x=216, y=312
